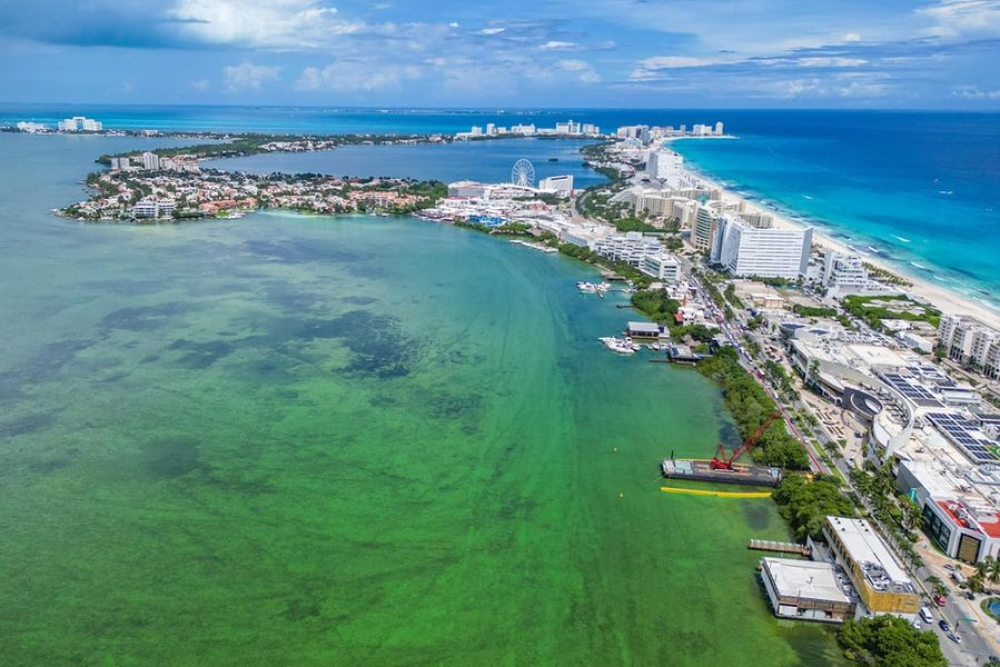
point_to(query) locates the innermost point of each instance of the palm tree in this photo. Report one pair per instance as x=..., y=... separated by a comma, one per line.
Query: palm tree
x=811, y=373
x=993, y=571
x=938, y=585
x=981, y=574
x=912, y=515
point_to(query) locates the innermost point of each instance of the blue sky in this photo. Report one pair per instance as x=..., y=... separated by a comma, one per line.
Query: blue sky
x=587, y=53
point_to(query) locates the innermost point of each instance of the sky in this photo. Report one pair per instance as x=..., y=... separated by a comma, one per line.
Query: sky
x=896, y=54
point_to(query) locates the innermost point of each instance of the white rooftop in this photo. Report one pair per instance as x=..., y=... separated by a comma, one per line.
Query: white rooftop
x=865, y=546
x=875, y=355
x=805, y=579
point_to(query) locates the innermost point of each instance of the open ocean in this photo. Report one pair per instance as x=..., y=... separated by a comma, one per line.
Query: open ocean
x=920, y=189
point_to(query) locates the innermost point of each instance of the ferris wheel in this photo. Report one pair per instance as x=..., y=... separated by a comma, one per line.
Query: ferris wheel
x=523, y=174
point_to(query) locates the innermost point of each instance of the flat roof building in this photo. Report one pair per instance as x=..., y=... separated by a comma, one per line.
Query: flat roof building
x=881, y=582
x=644, y=330
x=805, y=590
x=662, y=266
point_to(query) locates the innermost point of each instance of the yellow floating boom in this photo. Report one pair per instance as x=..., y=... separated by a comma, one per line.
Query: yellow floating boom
x=717, y=494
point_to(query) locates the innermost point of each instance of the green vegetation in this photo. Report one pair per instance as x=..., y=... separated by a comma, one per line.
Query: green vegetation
x=627, y=271
x=251, y=144
x=508, y=229
x=884, y=276
x=896, y=512
x=811, y=311
x=674, y=243
x=937, y=585
x=745, y=398
x=874, y=309
x=987, y=572
x=731, y=296
x=779, y=377
x=804, y=504
x=889, y=641
x=632, y=224
x=656, y=305
x=750, y=406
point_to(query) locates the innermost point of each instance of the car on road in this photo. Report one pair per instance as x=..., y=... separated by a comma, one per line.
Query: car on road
x=955, y=637
x=949, y=566
x=925, y=613
x=970, y=595
x=943, y=624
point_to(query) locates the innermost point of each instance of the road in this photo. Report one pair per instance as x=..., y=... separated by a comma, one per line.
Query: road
x=974, y=648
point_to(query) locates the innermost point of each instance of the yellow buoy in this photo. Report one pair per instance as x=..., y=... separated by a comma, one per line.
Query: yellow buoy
x=717, y=494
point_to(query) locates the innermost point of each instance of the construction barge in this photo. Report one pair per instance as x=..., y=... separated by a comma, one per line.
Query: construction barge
x=701, y=470
x=724, y=468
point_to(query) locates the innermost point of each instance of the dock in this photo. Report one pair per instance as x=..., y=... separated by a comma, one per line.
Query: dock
x=780, y=547
x=701, y=470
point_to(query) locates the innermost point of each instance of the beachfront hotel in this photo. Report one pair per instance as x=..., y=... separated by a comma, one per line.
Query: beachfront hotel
x=745, y=250
x=80, y=124
x=971, y=342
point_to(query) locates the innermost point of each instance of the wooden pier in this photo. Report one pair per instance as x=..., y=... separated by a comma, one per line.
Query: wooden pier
x=780, y=547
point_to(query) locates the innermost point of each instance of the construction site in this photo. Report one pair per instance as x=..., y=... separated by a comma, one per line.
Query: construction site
x=724, y=467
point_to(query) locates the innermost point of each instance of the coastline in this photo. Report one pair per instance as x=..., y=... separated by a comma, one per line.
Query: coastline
x=947, y=300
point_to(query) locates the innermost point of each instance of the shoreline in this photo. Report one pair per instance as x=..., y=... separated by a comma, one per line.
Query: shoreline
x=947, y=300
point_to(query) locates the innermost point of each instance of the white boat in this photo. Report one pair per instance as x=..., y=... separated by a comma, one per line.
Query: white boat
x=592, y=288
x=619, y=345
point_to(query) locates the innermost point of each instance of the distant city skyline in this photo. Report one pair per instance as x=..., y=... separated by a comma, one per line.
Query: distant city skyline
x=895, y=54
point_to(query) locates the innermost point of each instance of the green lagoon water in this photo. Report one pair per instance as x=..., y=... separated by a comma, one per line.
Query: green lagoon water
x=316, y=441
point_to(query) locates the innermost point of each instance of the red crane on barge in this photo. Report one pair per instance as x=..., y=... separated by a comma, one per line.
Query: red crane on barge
x=723, y=462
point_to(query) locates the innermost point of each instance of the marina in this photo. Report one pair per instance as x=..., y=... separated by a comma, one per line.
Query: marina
x=620, y=345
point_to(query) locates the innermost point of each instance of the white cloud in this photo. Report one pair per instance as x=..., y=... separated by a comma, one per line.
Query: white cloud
x=650, y=68
x=354, y=76
x=201, y=85
x=491, y=31
x=955, y=18
x=852, y=37
x=845, y=85
x=823, y=61
x=556, y=45
x=974, y=93
x=279, y=24
x=581, y=69
x=248, y=76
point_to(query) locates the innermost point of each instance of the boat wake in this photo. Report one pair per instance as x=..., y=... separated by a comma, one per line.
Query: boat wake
x=901, y=239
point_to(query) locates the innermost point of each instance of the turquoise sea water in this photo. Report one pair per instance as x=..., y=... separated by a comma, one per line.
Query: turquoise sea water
x=921, y=189
x=308, y=440
x=487, y=161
